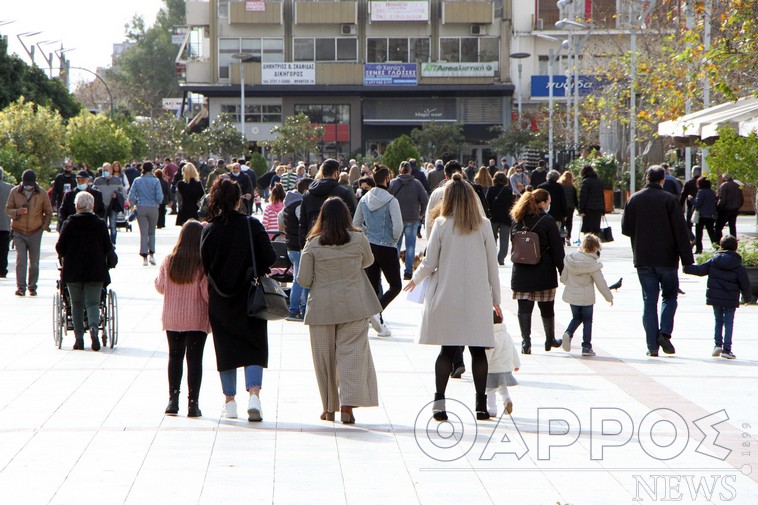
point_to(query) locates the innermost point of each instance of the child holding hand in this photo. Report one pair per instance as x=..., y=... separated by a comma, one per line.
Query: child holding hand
x=502, y=361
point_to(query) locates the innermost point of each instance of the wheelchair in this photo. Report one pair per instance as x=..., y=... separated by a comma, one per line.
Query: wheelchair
x=63, y=320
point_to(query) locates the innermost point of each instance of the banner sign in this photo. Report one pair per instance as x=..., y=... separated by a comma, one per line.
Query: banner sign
x=587, y=84
x=288, y=73
x=390, y=74
x=400, y=11
x=255, y=6
x=172, y=103
x=458, y=69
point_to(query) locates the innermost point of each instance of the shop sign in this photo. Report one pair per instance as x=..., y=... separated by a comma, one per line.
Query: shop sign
x=400, y=11
x=541, y=85
x=172, y=103
x=284, y=74
x=438, y=69
x=255, y=6
x=390, y=74
x=409, y=110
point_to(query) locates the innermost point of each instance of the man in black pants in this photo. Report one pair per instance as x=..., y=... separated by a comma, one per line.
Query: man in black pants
x=729, y=204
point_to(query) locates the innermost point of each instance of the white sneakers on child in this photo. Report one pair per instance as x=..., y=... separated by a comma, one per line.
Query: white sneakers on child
x=254, y=409
x=229, y=411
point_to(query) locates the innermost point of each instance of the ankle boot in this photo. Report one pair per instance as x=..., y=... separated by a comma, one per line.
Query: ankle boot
x=95, y=340
x=525, y=324
x=78, y=342
x=481, y=407
x=549, y=324
x=173, y=403
x=438, y=409
x=193, y=409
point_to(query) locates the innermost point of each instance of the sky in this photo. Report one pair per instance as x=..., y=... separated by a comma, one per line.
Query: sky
x=88, y=27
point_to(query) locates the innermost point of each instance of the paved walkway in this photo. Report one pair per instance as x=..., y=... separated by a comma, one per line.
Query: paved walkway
x=88, y=428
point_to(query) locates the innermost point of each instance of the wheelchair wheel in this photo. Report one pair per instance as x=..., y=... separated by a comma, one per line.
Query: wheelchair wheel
x=112, y=317
x=59, y=319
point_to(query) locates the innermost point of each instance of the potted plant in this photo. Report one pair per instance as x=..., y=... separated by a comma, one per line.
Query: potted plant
x=748, y=249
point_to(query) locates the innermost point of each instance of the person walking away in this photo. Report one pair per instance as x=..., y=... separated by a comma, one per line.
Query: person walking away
x=500, y=201
x=687, y=198
x=341, y=301
x=502, y=361
x=419, y=175
x=670, y=183
x=483, y=178
x=147, y=195
x=591, y=200
x=412, y=197
x=572, y=200
x=83, y=246
x=191, y=191
x=166, y=199
x=239, y=340
x=131, y=172
x=458, y=300
x=184, y=287
x=111, y=188
x=729, y=203
x=289, y=221
x=558, y=207
x=654, y=222
x=705, y=214
x=537, y=283
x=68, y=208
x=318, y=192
x=538, y=175
x=582, y=271
x=378, y=214
x=727, y=278
x=437, y=175
x=5, y=225
x=219, y=170
x=30, y=211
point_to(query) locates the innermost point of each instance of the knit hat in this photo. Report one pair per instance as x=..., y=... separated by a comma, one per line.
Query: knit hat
x=29, y=178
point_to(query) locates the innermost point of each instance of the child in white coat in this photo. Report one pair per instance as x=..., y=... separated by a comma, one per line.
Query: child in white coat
x=582, y=271
x=502, y=361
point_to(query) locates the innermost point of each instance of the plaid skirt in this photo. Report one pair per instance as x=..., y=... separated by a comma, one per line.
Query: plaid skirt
x=546, y=295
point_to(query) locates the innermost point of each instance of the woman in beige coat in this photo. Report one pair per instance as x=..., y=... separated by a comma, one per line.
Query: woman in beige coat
x=463, y=288
x=340, y=302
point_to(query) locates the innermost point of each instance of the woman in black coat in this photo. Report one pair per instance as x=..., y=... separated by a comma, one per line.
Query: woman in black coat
x=499, y=201
x=591, y=200
x=191, y=191
x=537, y=283
x=166, y=199
x=83, y=246
x=239, y=340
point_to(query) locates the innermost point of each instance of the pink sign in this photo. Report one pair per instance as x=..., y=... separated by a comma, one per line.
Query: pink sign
x=255, y=6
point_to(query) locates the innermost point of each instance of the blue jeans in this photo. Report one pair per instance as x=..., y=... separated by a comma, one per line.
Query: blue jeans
x=298, y=295
x=725, y=320
x=582, y=314
x=657, y=281
x=409, y=234
x=253, y=378
x=110, y=219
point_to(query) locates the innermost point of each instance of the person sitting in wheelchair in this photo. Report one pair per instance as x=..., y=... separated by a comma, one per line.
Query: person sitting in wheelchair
x=83, y=248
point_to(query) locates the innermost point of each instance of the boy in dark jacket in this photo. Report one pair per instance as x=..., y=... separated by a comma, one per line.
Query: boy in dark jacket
x=726, y=279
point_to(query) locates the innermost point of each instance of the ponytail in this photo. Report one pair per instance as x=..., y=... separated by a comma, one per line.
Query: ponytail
x=528, y=204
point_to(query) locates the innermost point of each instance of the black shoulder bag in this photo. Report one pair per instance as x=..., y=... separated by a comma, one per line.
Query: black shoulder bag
x=265, y=298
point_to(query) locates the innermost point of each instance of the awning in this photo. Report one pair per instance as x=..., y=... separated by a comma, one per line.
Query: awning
x=742, y=115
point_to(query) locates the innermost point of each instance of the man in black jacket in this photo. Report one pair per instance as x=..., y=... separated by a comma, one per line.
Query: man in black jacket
x=687, y=198
x=63, y=183
x=730, y=201
x=318, y=192
x=68, y=207
x=558, y=207
x=289, y=220
x=654, y=222
x=246, y=186
x=539, y=175
x=419, y=175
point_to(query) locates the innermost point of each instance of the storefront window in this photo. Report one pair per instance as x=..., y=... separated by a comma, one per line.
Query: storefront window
x=311, y=49
x=269, y=50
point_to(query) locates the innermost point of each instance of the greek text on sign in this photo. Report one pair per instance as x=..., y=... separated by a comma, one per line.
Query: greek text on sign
x=255, y=6
x=288, y=73
x=389, y=74
x=458, y=69
x=400, y=11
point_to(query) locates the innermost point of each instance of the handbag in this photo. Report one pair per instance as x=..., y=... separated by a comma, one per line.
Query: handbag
x=606, y=234
x=526, y=245
x=265, y=298
x=696, y=216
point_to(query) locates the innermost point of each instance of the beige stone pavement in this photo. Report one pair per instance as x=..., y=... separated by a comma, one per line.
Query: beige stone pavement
x=88, y=428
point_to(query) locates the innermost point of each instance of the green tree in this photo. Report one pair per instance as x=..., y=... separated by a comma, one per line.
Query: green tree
x=399, y=150
x=34, y=135
x=439, y=140
x=258, y=163
x=163, y=135
x=296, y=137
x=221, y=138
x=514, y=140
x=734, y=155
x=95, y=139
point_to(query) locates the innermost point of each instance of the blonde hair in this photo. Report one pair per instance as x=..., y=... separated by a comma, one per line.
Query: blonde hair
x=590, y=243
x=527, y=204
x=566, y=178
x=189, y=172
x=459, y=202
x=483, y=177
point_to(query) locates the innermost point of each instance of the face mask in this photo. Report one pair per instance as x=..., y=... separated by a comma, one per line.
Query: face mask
x=547, y=209
x=67, y=170
x=28, y=188
x=81, y=187
x=106, y=174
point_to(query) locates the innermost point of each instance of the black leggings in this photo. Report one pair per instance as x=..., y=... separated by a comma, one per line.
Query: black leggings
x=385, y=262
x=546, y=308
x=193, y=342
x=445, y=362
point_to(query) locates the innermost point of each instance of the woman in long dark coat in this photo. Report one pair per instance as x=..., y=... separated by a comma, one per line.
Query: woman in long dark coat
x=591, y=200
x=191, y=191
x=239, y=340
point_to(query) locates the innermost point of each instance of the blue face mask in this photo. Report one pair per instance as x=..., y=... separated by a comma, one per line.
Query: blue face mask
x=81, y=187
x=106, y=174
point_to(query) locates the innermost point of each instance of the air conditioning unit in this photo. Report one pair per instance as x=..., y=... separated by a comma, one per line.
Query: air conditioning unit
x=539, y=24
x=478, y=30
x=348, y=29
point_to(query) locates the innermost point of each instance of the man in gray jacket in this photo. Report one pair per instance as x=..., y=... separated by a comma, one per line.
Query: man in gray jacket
x=5, y=226
x=111, y=188
x=412, y=196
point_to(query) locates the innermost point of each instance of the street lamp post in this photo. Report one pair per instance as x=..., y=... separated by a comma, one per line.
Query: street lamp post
x=110, y=95
x=552, y=56
x=29, y=50
x=241, y=57
x=577, y=45
x=519, y=57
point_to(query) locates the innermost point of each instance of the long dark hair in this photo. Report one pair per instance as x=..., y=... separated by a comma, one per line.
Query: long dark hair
x=184, y=264
x=333, y=225
x=147, y=167
x=224, y=198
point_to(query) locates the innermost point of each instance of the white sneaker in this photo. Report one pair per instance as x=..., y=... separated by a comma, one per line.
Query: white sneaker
x=566, y=344
x=151, y=259
x=375, y=322
x=254, y=409
x=384, y=330
x=229, y=411
x=144, y=262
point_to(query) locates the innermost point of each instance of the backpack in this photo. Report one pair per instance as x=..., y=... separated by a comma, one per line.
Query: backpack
x=526, y=245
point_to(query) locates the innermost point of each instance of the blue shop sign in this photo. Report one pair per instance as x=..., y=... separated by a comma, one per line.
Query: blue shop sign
x=390, y=74
x=587, y=84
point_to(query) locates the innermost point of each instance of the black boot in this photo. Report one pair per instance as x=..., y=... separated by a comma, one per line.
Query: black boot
x=95, y=339
x=549, y=324
x=438, y=409
x=481, y=408
x=193, y=409
x=525, y=324
x=173, y=403
x=78, y=342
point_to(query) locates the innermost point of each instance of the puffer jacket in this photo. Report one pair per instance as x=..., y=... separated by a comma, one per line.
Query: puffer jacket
x=581, y=273
x=726, y=279
x=503, y=357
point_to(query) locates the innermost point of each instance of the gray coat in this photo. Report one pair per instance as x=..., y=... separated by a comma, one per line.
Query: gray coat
x=411, y=195
x=5, y=191
x=108, y=186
